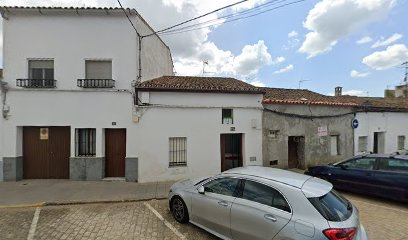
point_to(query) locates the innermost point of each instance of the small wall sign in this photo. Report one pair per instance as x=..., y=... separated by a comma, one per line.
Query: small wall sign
x=322, y=131
x=43, y=133
x=232, y=129
x=354, y=123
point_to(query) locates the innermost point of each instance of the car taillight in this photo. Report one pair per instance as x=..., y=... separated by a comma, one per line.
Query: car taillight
x=340, y=233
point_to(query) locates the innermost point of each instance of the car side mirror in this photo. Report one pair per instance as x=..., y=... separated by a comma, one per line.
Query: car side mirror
x=344, y=167
x=201, y=190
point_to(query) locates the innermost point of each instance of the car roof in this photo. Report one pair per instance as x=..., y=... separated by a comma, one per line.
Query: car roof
x=283, y=176
x=378, y=155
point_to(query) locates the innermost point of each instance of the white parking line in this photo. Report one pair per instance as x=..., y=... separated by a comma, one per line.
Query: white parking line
x=34, y=224
x=376, y=205
x=172, y=228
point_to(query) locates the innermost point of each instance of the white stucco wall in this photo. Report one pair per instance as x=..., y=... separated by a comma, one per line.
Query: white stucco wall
x=196, y=116
x=70, y=39
x=148, y=140
x=394, y=124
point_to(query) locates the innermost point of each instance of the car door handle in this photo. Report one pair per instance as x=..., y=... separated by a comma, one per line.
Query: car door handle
x=369, y=174
x=223, y=203
x=270, y=217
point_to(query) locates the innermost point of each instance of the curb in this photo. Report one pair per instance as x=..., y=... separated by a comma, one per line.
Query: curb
x=24, y=205
x=43, y=204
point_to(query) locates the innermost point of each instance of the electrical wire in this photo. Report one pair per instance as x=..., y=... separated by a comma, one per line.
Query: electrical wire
x=308, y=116
x=221, y=18
x=193, y=19
x=233, y=20
x=131, y=23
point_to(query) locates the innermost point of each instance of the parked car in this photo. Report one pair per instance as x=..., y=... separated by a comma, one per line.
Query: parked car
x=265, y=203
x=373, y=174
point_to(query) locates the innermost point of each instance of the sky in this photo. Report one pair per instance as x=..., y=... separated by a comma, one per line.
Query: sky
x=356, y=44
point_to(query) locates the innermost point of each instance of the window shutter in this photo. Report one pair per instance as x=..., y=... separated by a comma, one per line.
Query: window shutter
x=41, y=64
x=98, y=69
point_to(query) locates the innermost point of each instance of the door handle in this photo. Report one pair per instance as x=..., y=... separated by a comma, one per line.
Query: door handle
x=270, y=217
x=369, y=174
x=223, y=203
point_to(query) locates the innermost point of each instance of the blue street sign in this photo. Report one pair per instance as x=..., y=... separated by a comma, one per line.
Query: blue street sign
x=354, y=123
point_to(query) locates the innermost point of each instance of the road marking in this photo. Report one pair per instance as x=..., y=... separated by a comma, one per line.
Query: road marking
x=34, y=224
x=376, y=205
x=172, y=228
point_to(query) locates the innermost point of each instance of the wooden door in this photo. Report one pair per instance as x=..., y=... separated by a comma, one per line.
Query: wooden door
x=46, y=158
x=231, y=151
x=115, y=152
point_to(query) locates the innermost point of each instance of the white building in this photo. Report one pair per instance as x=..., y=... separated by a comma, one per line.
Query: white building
x=381, y=132
x=72, y=111
x=69, y=75
x=194, y=126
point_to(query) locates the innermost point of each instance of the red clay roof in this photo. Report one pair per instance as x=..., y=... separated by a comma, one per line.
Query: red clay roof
x=300, y=96
x=198, y=84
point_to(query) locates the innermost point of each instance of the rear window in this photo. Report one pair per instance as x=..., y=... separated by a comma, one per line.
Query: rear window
x=333, y=206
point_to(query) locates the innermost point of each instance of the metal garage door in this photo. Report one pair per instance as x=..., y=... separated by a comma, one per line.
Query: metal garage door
x=46, y=152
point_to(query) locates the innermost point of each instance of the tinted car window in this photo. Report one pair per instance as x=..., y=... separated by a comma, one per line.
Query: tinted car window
x=396, y=165
x=224, y=186
x=263, y=194
x=361, y=163
x=333, y=206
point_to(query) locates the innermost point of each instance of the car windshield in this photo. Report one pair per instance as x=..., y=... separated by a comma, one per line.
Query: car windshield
x=333, y=206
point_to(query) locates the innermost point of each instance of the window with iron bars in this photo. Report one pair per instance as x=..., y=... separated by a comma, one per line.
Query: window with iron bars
x=177, y=151
x=85, y=142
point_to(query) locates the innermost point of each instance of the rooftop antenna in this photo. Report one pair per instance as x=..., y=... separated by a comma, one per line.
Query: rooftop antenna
x=302, y=81
x=205, y=63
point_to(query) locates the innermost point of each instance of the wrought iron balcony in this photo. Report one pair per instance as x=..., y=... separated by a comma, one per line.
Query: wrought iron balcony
x=36, y=83
x=96, y=83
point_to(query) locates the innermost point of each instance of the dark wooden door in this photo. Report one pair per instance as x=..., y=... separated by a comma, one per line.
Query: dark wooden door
x=115, y=152
x=231, y=151
x=46, y=158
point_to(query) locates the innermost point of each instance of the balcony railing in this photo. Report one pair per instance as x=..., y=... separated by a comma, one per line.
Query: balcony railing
x=96, y=83
x=36, y=83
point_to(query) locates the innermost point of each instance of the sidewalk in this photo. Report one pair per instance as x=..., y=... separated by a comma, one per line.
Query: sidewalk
x=41, y=192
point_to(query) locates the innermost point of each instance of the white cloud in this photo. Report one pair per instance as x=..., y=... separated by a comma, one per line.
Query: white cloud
x=388, y=41
x=364, y=40
x=332, y=20
x=393, y=56
x=258, y=83
x=357, y=74
x=285, y=69
x=279, y=60
x=292, y=34
x=252, y=58
x=357, y=93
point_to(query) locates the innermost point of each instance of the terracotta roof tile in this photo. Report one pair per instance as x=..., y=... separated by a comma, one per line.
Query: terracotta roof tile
x=198, y=84
x=300, y=96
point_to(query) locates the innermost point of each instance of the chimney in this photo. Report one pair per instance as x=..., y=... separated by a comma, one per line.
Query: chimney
x=338, y=91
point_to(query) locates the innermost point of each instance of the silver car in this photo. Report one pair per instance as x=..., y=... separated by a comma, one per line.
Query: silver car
x=265, y=203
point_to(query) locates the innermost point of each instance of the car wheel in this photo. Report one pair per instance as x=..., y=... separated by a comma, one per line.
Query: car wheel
x=179, y=210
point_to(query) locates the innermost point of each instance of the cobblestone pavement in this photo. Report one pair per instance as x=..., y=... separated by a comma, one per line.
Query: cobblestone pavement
x=152, y=220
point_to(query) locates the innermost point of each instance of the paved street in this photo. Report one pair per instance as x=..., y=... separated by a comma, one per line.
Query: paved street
x=151, y=220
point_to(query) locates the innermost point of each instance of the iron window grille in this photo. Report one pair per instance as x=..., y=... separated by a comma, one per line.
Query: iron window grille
x=177, y=151
x=401, y=142
x=96, y=83
x=227, y=116
x=85, y=142
x=36, y=83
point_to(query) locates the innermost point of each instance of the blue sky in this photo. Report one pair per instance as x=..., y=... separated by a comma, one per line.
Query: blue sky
x=322, y=48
